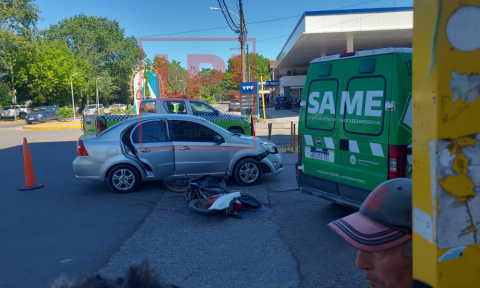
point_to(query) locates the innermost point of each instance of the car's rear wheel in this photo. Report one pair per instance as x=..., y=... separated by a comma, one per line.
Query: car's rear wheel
x=29, y=122
x=248, y=172
x=123, y=179
x=22, y=115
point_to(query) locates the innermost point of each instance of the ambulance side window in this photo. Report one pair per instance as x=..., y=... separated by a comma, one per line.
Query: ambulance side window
x=362, y=105
x=321, y=104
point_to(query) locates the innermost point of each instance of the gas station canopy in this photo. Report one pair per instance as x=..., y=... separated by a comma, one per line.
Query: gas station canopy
x=321, y=33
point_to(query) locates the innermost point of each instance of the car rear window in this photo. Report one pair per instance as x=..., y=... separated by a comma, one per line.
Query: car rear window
x=149, y=132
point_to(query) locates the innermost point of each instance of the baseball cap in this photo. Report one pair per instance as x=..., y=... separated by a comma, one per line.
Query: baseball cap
x=384, y=220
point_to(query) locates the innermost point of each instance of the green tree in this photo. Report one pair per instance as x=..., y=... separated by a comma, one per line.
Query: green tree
x=46, y=74
x=18, y=19
x=108, y=52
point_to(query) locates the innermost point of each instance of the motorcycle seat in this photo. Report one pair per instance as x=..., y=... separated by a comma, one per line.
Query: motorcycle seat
x=215, y=190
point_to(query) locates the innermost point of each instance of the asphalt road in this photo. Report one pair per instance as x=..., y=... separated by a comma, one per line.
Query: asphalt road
x=71, y=227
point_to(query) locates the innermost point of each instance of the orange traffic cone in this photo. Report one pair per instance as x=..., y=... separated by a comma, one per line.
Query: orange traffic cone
x=29, y=176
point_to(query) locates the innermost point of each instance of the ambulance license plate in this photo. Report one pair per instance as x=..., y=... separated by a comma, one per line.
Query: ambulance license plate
x=319, y=155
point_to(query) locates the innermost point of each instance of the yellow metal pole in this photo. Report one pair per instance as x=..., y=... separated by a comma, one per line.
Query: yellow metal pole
x=446, y=143
x=263, y=101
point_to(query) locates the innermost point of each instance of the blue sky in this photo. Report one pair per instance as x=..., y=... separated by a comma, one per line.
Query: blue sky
x=161, y=17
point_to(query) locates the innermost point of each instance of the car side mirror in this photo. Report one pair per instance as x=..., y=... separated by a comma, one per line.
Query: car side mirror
x=217, y=112
x=218, y=139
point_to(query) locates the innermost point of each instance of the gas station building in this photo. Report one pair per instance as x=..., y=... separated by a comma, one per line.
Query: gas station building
x=323, y=33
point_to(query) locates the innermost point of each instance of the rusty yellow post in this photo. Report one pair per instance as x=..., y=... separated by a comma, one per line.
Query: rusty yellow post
x=446, y=143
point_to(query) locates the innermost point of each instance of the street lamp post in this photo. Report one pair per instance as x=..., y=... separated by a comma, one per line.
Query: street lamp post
x=96, y=87
x=73, y=102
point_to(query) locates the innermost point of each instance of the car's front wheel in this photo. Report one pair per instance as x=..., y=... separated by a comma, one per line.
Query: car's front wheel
x=248, y=172
x=22, y=115
x=123, y=178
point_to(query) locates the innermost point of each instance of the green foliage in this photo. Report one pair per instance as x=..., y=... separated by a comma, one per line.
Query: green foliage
x=106, y=49
x=5, y=94
x=209, y=99
x=46, y=74
x=65, y=113
x=117, y=111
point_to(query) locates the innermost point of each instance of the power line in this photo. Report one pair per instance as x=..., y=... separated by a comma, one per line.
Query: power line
x=257, y=22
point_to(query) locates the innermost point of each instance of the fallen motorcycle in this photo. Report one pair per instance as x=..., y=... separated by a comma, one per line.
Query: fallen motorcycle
x=208, y=195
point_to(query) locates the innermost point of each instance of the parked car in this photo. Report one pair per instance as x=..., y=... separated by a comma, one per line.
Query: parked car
x=234, y=105
x=118, y=106
x=92, y=110
x=282, y=102
x=234, y=123
x=9, y=111
x=160, y=146
x=42, y=114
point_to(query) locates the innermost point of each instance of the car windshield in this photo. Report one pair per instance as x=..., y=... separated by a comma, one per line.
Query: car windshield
x=39, y=109
x=235, y=102
x=92, y=107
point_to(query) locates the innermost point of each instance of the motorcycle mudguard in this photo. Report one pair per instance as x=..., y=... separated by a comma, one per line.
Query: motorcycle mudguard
x=210, y=202
x=223, y=202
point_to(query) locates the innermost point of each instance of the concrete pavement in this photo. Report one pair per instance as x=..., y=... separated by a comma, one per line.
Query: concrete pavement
x=74, y=226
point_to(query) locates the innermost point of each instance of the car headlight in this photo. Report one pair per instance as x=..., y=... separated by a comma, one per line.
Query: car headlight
x=269, y=147
x=39, y=115
x=245, y=120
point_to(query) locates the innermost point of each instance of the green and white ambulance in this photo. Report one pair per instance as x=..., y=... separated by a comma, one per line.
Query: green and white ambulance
x=355, y=124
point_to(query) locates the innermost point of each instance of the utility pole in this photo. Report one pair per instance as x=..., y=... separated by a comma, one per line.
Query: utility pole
x=243, y=34
x=14, y=99
x=248, y=65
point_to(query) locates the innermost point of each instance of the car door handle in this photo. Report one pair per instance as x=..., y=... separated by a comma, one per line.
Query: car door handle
x=146, y=150
x=185, y=148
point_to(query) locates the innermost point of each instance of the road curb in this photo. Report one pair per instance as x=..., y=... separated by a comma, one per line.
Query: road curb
x=51, y=128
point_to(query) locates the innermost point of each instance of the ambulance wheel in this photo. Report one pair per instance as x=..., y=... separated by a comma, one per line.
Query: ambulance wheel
x=248, y=172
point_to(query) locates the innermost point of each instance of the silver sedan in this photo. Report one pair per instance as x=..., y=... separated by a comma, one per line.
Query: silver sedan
x=155, y=147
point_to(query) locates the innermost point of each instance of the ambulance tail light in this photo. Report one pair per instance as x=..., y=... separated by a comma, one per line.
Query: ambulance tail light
x=397, y=161
x=299, y=140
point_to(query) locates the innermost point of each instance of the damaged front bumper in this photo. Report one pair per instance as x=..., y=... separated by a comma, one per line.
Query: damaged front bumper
x=273, y=164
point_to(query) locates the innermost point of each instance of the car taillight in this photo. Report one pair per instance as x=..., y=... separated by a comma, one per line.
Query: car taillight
x=299, y=140
x=285, y=101
x=81, y=151
x=100, y=126
x=397, y=161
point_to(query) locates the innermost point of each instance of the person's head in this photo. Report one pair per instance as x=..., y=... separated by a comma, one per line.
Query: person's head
x=382, y=233
x=137, y=276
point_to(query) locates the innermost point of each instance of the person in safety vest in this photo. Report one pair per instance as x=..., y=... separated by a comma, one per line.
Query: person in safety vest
x=382, y=233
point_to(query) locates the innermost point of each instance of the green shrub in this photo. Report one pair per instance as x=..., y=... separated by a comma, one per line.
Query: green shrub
x=65, y=113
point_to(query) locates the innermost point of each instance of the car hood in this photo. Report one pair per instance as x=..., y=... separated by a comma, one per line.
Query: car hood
x=247, y=140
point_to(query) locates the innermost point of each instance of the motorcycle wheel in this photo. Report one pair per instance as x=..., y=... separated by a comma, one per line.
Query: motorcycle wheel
x=176, y=185
x=200, y=206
